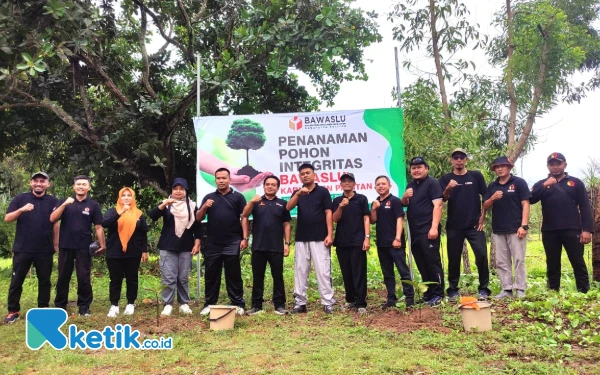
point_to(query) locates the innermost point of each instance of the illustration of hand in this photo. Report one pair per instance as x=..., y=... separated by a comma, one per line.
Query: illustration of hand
x=243, y=183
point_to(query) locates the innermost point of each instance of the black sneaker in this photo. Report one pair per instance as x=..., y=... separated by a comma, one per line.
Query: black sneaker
x=301, y=309
x=85, y=312
x=328, y=309
x=349, y=306
x=410, y=302
x=254, y=311
x=483, y=295
x=388, y=304
x=436, y=300
x=282, y=311
x=12, y=317
x=453, y=296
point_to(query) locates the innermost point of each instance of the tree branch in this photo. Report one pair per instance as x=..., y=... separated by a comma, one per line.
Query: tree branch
x=17, y=105
x=190, y=31
x=512, y=125
x=164, y=46
x=201, y=13
x=438, y=64
x=78, y=80
x=108, y=82
x=146, y=67
x=185, y=103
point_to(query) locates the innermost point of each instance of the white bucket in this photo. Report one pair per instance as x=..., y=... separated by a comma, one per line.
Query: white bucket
x=221, y=317
x=477, y=320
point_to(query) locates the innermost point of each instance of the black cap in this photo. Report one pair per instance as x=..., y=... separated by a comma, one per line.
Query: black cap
x=348, y=175
x=180, y=181
x=40, y=173
x=557, y=156
x=418, y=160
x=501, y=160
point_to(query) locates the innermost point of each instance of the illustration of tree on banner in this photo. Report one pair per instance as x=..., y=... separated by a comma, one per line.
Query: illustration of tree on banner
x=246, y=134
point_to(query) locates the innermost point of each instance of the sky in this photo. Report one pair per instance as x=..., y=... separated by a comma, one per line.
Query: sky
x=570, y=129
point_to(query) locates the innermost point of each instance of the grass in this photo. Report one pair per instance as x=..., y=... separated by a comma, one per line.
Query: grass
x=319, y=343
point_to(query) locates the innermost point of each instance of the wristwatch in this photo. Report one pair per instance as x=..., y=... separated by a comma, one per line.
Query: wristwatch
x=367, y=236
x=247, y=239
x=287, y=243
x=526, y=227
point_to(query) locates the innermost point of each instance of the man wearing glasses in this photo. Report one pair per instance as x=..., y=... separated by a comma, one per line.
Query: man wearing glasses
x=463, y=190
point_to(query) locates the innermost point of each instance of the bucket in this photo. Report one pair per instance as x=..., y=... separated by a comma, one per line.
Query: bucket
x=479, y=320
x=221, y=317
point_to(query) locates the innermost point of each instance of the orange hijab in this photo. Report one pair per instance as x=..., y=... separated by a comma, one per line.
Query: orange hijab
x=127, y=222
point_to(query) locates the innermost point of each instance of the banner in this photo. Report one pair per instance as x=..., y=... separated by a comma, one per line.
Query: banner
x=368, y=143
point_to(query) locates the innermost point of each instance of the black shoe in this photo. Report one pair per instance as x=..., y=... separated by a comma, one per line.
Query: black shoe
x=328, y=309
x=436, y=300
x=85, y=312
x=410, y=302
x=301, y=309
x=453, y=296
x=254, y=311
x=282, y=311
x=483, y=295
x=388, y=304
x=12, y=317
x=349, y=306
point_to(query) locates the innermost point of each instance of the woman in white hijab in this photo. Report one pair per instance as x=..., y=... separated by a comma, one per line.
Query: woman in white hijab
x=179, y=241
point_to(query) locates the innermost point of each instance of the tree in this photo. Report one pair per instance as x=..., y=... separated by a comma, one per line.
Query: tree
x=246, y=134
x=79, y=75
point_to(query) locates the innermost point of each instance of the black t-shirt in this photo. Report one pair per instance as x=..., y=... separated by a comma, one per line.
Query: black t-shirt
x=138, y=243
x=464, y=204
x=34, y=229
x=76, y=223
x=565, y=206
x=224, y=227
x=507, y=212
x=420, y=206
x=168, y=239
x=312, y=224
x=350, y=230
x=390, y=209
x=268, y=217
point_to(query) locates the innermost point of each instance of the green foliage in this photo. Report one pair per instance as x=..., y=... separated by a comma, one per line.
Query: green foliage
x=247, y=135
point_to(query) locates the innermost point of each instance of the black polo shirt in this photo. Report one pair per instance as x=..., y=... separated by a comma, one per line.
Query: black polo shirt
x=420, y=206
x=388, y=212
x=76, y=223
x=223, y=224
x=565, y=206
x=350, y=230
x=312, y=224
x=464, y=204
x=507, y=212
x=34, y=229
x=268, y=217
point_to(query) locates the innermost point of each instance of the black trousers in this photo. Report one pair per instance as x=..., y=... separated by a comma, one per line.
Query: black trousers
x=388, y=257
x=553, y=243
x=353, y=264
x=259, y=268
x=214, y=264
x=119, y=268
x=427, y=257
x=455, y=239
x=81, y=261
x=43, y=269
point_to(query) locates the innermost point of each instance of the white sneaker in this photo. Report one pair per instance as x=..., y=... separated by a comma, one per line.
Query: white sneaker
x=129, y=309
x=205, y=311
x=113, y=311
x=167, y=310
x=185, y=309
x=239, y=310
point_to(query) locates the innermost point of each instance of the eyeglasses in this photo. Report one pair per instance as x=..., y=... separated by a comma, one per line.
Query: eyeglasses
x=459, y=157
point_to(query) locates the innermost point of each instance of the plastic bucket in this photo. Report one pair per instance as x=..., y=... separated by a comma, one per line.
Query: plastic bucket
x=477, y=320
x=221, y=317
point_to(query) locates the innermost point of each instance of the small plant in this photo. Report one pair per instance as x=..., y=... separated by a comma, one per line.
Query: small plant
x=419, y=288
x=155, y=287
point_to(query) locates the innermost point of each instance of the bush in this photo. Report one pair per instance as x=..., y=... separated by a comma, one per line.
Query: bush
x=7, y=230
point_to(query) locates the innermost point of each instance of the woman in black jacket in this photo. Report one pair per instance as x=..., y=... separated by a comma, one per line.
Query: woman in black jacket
x=126, y=245
x=179, y=241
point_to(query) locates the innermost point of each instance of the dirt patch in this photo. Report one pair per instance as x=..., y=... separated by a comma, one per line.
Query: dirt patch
x=166, y=325
x=408, y=321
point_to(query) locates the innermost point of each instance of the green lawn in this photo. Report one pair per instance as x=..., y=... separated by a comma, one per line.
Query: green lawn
x=548, y=333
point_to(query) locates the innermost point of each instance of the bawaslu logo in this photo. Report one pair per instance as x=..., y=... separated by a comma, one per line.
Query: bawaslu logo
x=318, y=122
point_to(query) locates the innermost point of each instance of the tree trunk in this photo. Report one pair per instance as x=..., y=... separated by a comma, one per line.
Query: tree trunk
x=465, y=257
x=512, y=125
x=438, y=64
x=492, y=256
x=596, y=240
x=248, y=157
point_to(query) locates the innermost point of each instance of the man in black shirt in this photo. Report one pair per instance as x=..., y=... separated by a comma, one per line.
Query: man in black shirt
x=314, y=236
x=36, y=241
x=226, y=237
x=77, y=215
x=463, y=190
x=270, y=244
x=352, y=233
x=509, y=197
x=387, y=213
x=567, y=221
x=423, y=196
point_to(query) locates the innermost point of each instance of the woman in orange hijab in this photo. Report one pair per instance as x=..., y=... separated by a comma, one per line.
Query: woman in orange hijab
x=126, y=245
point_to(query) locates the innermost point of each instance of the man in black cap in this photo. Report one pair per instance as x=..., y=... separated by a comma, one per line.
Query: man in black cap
x=463, y=190
x=77, y=215
x=351, y=241
x=226, y=237
x=508, y=197
x=423, y=196
x=271, y=232
x=36, y=241
x=567, y=221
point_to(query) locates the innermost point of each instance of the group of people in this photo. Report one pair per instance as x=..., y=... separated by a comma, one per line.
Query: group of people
x=567, y=222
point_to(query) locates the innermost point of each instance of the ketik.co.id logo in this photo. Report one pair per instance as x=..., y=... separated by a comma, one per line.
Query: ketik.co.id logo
x=43, y=325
